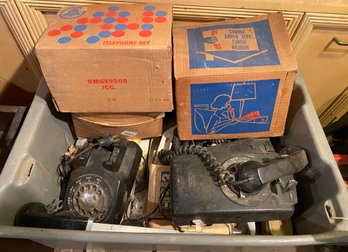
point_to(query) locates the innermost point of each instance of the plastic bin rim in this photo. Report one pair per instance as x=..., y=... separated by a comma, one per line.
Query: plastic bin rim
x=181, y=239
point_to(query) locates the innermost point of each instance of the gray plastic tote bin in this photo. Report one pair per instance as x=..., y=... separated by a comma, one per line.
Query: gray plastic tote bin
x=30, y=175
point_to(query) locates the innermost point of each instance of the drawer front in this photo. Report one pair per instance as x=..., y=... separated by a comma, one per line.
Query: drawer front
x=322, y=60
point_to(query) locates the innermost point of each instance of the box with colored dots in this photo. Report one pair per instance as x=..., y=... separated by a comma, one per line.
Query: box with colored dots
x=109, y=58
x=234, y=78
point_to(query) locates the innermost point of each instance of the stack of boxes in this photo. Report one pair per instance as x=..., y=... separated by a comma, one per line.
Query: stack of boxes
x=233, y=78
x=111, y=67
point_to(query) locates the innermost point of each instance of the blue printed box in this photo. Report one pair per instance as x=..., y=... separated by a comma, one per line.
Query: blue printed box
x=233, y=78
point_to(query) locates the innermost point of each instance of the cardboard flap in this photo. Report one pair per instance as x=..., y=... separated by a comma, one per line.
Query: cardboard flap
x=253, y=45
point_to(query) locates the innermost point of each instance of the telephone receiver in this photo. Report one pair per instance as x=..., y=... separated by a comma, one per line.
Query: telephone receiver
x=253, y=175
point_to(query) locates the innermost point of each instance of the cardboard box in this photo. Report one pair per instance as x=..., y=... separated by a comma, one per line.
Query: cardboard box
x=233, y=78
x=127, y=126
x=165, y=224
x=109, y=58
x=159, y=178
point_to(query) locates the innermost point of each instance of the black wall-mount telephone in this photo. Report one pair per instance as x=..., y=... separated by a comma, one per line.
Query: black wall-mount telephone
x=95, y=183
x=240, y=181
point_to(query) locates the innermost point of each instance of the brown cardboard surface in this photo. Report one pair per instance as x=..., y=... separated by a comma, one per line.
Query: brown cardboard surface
x=127, y=126
x=158, y=179
x=189, y=74
x=225, y=229
x=99, y=59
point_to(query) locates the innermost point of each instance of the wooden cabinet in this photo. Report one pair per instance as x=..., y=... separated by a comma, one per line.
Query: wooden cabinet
x=311, y=24
x=323, y=62
x=17, y=80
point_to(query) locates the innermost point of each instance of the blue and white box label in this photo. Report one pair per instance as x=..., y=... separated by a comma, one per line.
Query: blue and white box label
x=232, y=107
x=232, y=45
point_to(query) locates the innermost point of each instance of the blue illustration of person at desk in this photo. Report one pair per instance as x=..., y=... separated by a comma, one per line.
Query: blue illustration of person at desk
x=227, y=110
x=223, y=112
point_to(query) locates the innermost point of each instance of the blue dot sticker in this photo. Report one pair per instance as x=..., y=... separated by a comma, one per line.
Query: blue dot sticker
x=104, y=34
x=109, y=20
x=149, y=8
x=161, y=13
x=120, y=26
x=80, y=27
x=72, y=12
x=123, y=14
x=146, y=26
x=92, y=39
x=64, y=40
x=113, y=8
x=98, y=14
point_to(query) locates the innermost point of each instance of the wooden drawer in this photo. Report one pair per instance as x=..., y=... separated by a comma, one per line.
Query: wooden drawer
x=323, y=63
x=17, y=81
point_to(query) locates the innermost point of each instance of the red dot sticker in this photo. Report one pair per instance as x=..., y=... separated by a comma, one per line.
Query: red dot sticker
x=82, y=20
x=118, y=33
x=148, y=13
x=147, y=20
x=121, y=20
x=53, y=32
x=160, y=19
x=96, y=20
x=66, y=27
x=106, y=26
x=145, y=33
x=76, y=34
x=133, y=26
x=110, y=14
